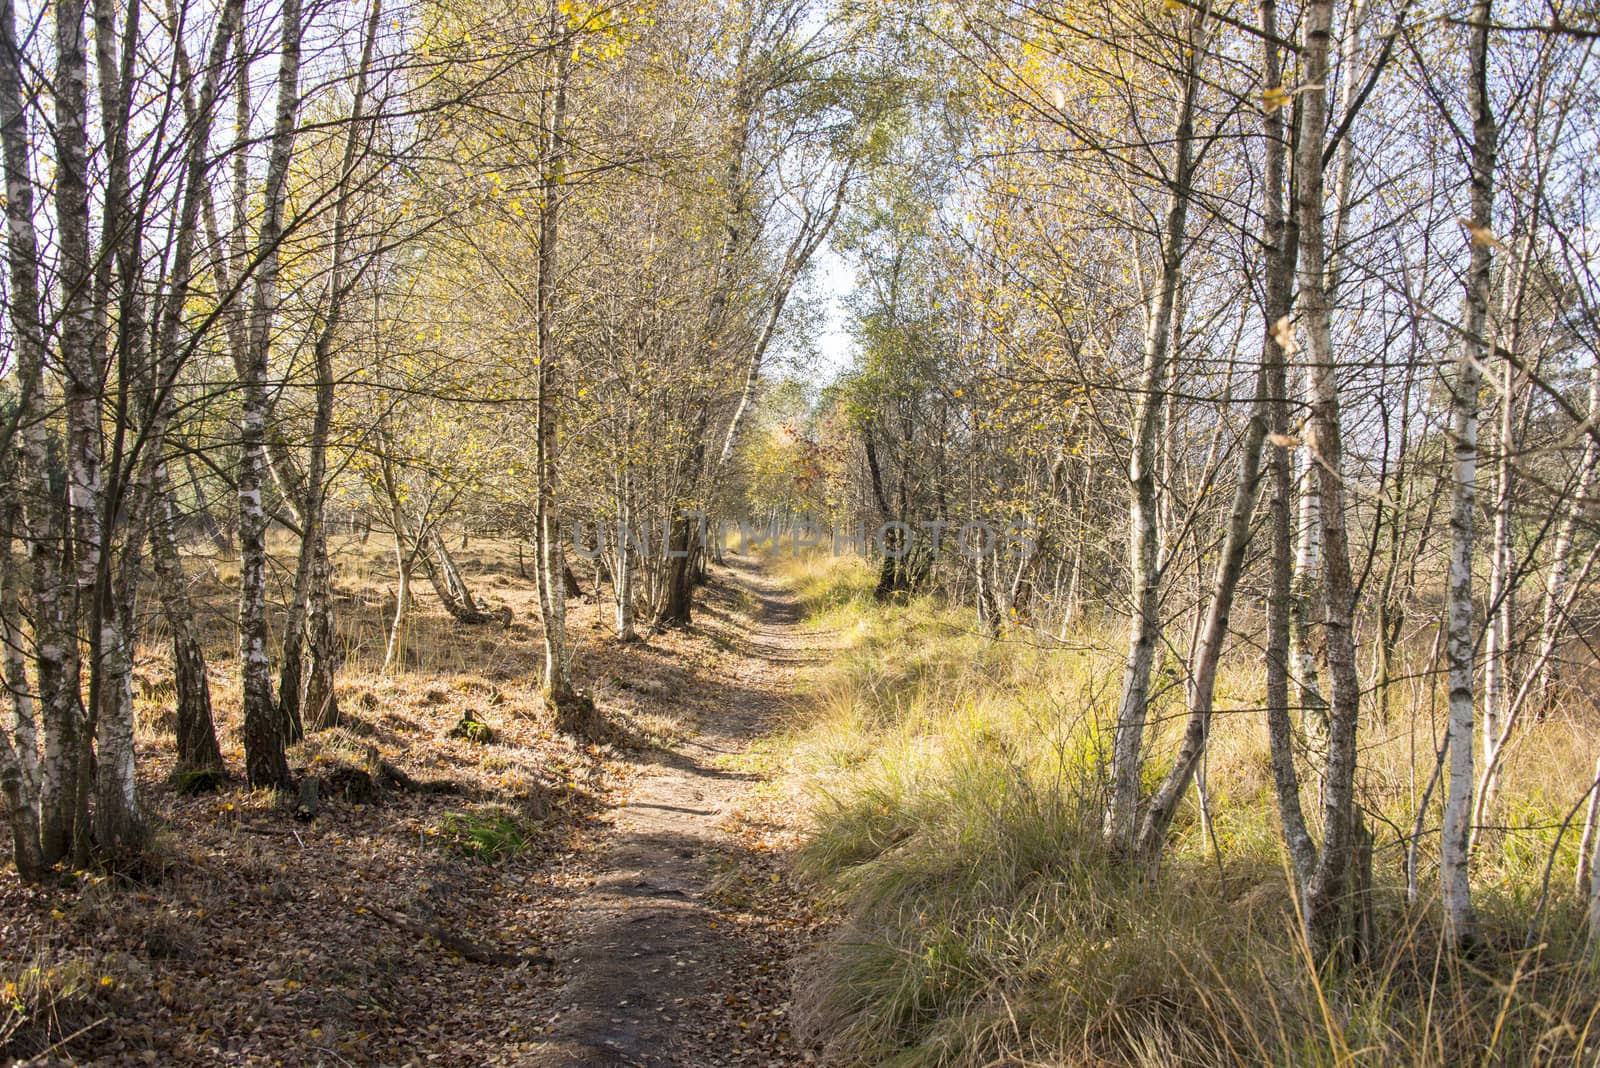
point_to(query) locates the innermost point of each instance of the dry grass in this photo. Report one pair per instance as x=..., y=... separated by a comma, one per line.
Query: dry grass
x=954, y=783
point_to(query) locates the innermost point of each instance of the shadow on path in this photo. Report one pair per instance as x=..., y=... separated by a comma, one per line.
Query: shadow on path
x=645, y=961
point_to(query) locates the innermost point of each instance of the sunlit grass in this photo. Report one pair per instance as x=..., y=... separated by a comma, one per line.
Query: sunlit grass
x=954, y=790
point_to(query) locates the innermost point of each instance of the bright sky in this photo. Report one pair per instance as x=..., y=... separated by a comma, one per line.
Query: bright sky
x=835, y=278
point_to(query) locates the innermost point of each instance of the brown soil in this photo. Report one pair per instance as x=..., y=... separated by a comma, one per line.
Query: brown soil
x=656, y=968
x=648, y=869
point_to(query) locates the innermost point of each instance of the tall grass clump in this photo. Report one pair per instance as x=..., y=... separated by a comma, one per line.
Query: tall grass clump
x=954, y=786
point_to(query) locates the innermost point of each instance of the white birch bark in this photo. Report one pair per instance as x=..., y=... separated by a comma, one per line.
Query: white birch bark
x=1143, y=542
x=1552, y=618
x=81, y=366
x=1325, y=896
x=19, y=753
x=1586, y=845
x=55, y=643
x=265, y=762
x=622, y=556
x=1456, y=833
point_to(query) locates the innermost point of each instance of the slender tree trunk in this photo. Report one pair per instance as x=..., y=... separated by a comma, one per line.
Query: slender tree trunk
x=196, y=730
x=1502, y=593
x=320, y=696
x=1594, y=908
x=221, y=537
x=117, y=822
x=405, y=560
x=1460, y=649
x=1586, y=845
x=447, y=582
x=1281, y=249
x=622, y=557
x=1144, y=556
x=321, y=708
x=55, y=642
x=813, y=231
x=1305, y=602
x=291, y=666
x=1305, y=599
x=402, y=596
x=1456, y=834
x=265, y=761
x=81, y=368
x=1326, y=892
x=889, y=581
x=1552, y=618
x=574, y=714
x=19, y=753
x=1236, y=540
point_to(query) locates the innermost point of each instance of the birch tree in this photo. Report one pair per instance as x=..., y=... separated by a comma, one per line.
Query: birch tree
x=265, y=761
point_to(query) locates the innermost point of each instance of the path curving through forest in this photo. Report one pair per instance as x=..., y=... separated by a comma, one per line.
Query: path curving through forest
x=648, y=962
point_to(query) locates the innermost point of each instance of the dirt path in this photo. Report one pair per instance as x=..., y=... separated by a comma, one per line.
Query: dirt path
x=652, y=971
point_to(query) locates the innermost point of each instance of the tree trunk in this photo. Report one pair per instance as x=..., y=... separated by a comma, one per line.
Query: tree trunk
x=1325, y=897
x=1552, y=618
x=1502, y=586
x=196, y=730
x=291, y=660
x=1594, y=909
x=573, y=714
x=622, y=558
x=1586, y=845
x=402, y=594
x=318, y=629
x=117, y=821
x=678, y=609
x=1282, y=251
x=82, y=369
x=19, y=754
x=55, y=641
x=221, y=537
x=1236, y=540
x=265, y=761
x=321, y=706
x=406, y=552
x=448, y=583
x=1456, y=834
x=1144, y=553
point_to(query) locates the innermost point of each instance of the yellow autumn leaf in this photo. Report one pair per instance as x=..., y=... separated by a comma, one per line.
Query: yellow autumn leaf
x=1480, y=235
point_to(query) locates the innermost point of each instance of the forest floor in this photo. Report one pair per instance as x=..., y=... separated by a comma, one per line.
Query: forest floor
x=651, y=872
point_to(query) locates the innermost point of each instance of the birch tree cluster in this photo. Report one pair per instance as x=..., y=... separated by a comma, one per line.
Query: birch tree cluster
x=1274, y=323
x=277, y=272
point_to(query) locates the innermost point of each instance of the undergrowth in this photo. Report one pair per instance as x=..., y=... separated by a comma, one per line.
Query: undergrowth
x=954, y=786
x=491, y=833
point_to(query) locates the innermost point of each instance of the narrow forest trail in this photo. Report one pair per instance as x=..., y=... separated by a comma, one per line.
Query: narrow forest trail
x=653, y=969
